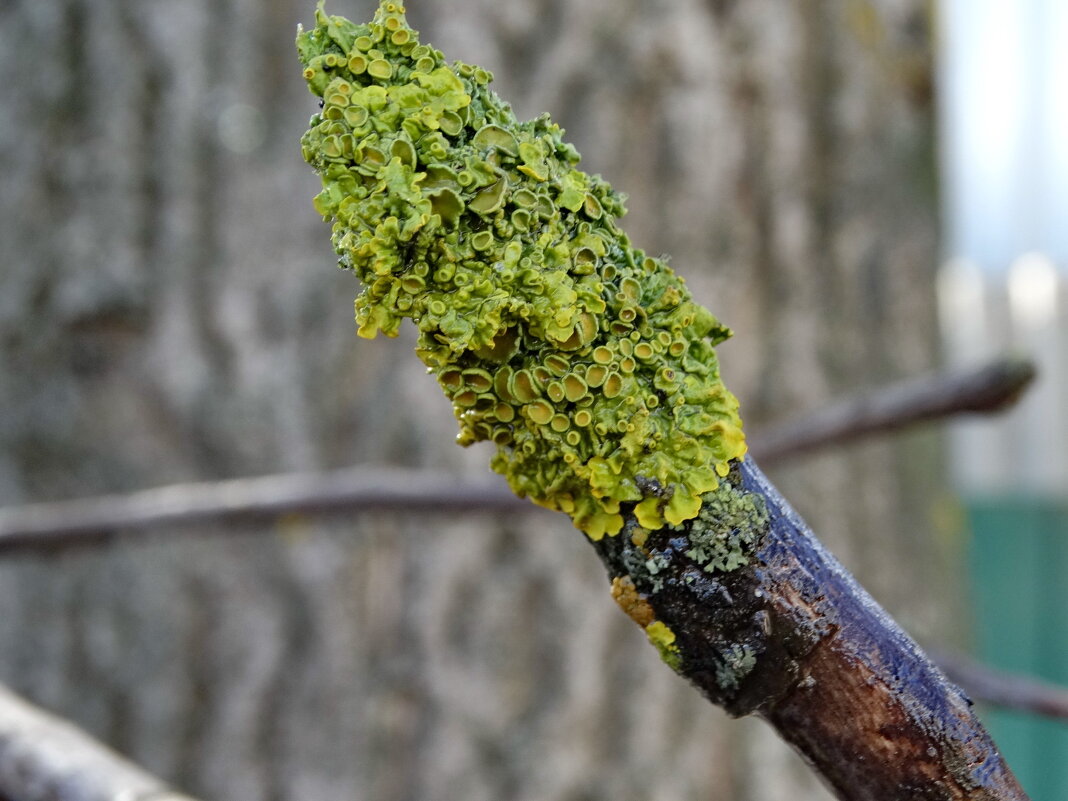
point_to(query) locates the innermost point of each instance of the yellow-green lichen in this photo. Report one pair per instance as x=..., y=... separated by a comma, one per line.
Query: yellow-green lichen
x=586, y=362
x=638, y=609
x=663, y=639
x=633, y=603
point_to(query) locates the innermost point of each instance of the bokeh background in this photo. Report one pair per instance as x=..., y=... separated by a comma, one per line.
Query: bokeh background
x=1003, y=117
x=170, y=310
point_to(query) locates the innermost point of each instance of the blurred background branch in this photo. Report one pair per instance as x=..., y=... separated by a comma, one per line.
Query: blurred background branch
x=44, y=758
x=1003, y=688
x=988, y=389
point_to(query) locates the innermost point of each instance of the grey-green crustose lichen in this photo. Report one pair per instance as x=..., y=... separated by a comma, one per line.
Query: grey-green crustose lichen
x=586, y=362
x=739, y=659
x=727, y=528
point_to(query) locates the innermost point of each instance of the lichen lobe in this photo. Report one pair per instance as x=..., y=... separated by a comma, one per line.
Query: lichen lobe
x=585, y=361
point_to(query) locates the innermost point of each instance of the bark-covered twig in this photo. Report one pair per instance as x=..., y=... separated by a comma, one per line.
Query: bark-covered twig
x=92, y=520
x=359, y=489
x=984, y=390
x=792, y=638
x=77, y=522
x=44, y=758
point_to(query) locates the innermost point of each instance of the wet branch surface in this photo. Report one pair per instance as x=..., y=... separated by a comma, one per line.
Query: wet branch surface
x=792, y=638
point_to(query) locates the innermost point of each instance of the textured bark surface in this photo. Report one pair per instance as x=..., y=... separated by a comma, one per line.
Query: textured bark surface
x=839, y=679
x=169, y=313
x=787, y=634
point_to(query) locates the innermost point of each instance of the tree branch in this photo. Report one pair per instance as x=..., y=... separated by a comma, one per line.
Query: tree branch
x=83, y=521
x=90, y=520
x=792, y=638
x=44, y=758
x=985, y=390
x=1004, y=689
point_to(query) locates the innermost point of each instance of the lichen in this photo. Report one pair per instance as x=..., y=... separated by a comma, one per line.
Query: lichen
x=739, y=659
x=636, y=607
x=648, y=567
x=724, y=532
x=585, y=361
x=663, y=639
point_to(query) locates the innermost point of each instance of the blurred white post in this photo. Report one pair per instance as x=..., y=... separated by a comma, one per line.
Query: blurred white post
x=972, y=323
x=1038, y=425
x=1004, y=287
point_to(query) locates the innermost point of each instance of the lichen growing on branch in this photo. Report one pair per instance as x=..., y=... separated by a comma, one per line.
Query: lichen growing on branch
x=726, y=529
x=585, y=361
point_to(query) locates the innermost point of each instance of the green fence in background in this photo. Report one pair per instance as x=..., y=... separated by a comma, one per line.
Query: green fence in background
x=1019, y=570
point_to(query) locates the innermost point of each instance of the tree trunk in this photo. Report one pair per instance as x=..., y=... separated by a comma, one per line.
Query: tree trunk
x=170, y=313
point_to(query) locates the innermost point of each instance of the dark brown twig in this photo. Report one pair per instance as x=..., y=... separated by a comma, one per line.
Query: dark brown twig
x=986, y=390
x=791, y=637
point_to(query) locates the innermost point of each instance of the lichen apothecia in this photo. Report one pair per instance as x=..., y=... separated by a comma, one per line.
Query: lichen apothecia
x=586, y=362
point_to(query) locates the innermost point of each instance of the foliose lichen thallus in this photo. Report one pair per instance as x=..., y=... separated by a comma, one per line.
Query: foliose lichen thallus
x=583, y=360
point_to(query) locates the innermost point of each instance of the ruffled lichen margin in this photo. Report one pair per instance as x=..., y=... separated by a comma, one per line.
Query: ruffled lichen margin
x=585, y=361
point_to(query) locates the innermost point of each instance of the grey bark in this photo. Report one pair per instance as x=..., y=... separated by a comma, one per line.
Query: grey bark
x=169, y=313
